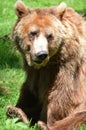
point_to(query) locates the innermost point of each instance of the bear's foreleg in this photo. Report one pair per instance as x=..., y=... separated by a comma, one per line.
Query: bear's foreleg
x=27, y=106
x=69, y=123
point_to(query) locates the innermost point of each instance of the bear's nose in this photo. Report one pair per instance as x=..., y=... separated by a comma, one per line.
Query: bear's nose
x=41, y=55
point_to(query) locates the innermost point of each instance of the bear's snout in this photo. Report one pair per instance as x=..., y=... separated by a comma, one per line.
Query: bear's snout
x=41, y=55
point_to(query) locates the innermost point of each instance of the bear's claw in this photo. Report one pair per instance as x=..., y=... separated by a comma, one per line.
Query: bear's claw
x=42, y=125
x=16, y=112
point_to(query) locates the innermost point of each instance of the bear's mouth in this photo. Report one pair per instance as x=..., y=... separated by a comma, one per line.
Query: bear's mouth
x=38, y=61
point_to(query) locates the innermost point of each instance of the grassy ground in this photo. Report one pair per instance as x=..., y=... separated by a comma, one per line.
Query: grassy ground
x=11, y=74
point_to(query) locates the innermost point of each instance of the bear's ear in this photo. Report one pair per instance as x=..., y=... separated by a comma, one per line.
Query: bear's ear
x=59, y=10
x=21, y=9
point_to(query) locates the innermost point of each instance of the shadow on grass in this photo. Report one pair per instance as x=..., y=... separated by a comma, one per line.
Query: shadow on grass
x=9, y=56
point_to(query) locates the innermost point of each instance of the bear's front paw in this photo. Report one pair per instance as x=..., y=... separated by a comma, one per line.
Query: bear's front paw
x=42, y=125
x=13, y=112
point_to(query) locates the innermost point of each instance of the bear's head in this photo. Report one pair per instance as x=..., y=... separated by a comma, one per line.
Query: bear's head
x=38, y=33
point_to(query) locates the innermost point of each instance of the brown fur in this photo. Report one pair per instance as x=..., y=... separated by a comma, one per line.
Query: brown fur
x=56, y=88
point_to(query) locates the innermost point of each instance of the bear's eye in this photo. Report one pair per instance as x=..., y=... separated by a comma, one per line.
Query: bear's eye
x=49, y=37
x=32, y=35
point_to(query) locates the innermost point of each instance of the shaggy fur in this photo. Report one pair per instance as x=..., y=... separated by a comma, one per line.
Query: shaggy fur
x=55, y=87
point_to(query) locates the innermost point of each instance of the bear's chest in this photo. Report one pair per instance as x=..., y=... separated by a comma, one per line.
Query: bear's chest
x=59, y=91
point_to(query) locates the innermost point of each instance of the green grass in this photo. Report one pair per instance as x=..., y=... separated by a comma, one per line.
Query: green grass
x=11, y=74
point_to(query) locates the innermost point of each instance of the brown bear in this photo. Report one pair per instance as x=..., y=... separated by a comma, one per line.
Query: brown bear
x=52, y=42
